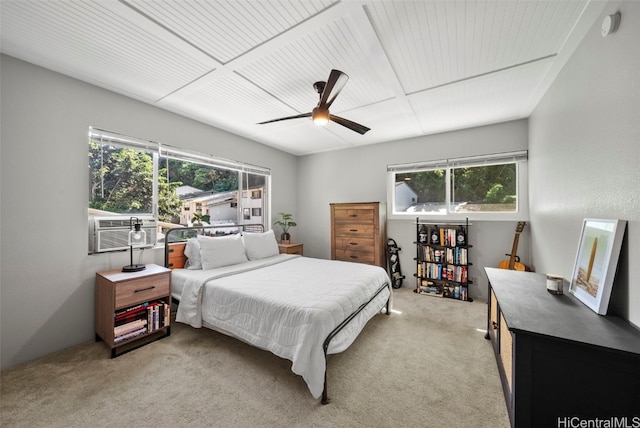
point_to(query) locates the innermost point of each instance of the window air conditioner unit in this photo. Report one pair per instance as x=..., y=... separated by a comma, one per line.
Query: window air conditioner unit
x=111, y=233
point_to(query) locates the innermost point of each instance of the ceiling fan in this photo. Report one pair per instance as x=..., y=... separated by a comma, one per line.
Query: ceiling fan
x=328, y=91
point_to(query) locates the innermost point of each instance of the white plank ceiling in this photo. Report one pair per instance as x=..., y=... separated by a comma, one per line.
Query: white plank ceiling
x=415, y=67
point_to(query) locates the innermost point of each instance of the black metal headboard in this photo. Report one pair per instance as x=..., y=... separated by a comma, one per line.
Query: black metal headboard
x=182, y=234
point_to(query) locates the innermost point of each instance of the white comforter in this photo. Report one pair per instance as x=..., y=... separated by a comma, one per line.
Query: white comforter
x=286, y=304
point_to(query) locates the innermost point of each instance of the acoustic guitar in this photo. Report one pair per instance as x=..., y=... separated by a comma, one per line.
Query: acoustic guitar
x=514, y=261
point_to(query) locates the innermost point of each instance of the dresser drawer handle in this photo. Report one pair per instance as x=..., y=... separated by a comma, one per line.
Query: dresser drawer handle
x=353, y=230
x=145, y=289
x=353, y=215
x=353, y=243
x=354, y=257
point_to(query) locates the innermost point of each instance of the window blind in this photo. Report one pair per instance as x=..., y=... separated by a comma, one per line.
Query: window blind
x=188, y=156
x=100, y=136
x=482, y=160
x=417, y=166
x=486, y=160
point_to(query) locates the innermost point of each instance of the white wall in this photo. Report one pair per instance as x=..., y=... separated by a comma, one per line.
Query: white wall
x=47, y=278
x=584, y=142
x=360, y=175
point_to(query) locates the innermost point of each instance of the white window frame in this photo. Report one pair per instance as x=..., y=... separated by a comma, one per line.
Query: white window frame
x=160, y=150
x=522, y=202
x=171, y=152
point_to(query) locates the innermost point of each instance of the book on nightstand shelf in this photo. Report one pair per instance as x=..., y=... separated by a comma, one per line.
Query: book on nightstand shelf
x=140, y=319
x=130, y=311
x=129, y=327
x=130, y=335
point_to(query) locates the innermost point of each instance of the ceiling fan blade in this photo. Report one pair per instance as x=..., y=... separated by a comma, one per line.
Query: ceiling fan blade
x=337, y=80
x=298, y=116
x=360, y=129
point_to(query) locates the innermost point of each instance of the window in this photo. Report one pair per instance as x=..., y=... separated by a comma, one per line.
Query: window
x=477, y=187
x=121, y=177
x=137, y=177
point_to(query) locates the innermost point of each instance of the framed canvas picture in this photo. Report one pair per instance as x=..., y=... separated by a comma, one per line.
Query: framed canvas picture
x=596, y=262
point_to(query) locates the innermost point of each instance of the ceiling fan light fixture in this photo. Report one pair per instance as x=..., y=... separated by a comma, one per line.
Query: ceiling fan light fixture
x=328, y=91
x=320, y=116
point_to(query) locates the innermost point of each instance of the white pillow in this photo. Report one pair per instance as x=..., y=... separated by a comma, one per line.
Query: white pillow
x=221, y=251
x=192, y=252
x=260, y=245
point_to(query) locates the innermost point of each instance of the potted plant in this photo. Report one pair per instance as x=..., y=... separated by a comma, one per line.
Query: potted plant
x=285, y=223
x=199, y=218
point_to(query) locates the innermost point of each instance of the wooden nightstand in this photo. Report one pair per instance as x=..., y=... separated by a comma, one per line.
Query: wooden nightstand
x=290, y=248
x=131, y=306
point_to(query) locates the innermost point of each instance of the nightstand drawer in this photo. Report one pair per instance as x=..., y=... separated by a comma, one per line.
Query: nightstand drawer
x=141, y=290
x=176, y=255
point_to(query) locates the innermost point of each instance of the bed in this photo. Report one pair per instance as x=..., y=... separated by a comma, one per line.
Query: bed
x=298, y=308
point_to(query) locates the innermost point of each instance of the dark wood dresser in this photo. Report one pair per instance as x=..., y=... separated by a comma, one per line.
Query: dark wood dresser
x=560, y=363
x=358, y=232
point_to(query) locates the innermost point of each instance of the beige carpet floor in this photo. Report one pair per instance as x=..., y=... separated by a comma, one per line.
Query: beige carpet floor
x=425, y=365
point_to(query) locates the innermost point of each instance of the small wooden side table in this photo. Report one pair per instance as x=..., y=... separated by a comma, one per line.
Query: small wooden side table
x=134, y=297
x=290, y=249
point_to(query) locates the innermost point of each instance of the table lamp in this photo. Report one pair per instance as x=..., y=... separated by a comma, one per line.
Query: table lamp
x=137, y=238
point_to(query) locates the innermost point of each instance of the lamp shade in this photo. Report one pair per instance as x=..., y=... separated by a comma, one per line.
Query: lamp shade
x=137, y=236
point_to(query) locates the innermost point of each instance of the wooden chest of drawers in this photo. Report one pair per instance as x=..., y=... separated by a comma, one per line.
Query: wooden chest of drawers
x=358, y=232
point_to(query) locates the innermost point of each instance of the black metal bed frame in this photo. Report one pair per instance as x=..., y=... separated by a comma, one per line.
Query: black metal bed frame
x=192, y=231
x=188, y=232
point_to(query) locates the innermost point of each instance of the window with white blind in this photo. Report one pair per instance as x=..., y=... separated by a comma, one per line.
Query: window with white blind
x=131, y=176
x=480, y=187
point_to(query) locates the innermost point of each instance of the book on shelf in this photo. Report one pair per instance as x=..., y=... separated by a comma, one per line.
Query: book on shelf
x=130, y=335
x=443, y=272
x=456, y=255
x=123, y=313
x=429, y=288
x=129, y=327
x=158, y=313
x=456, y=291
x=131, y=317
x=152, y=316
x=442, y=236
x=166, y=314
